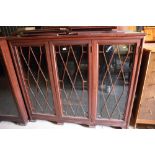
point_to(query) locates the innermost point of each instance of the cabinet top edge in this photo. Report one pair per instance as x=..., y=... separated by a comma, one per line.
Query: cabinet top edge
x=80, y=35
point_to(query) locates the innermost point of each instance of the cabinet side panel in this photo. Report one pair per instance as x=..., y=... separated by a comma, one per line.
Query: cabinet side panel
x=140, y=85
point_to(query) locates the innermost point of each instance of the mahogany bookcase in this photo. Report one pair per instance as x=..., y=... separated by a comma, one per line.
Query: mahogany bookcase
x=11, y=102
x=86, y=78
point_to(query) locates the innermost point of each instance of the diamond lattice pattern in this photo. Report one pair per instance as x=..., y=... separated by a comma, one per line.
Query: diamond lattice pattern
x=35, y=69
x=72, y=64
x=115, y=69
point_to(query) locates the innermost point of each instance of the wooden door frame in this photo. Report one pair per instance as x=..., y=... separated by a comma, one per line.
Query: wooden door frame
x=20, y=74
x=132, y=87
x=63, y=118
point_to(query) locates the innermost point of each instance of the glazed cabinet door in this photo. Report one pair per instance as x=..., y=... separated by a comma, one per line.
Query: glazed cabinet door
x=11, y=102
x=71, y=61
x=114, y=72
x=32, y=60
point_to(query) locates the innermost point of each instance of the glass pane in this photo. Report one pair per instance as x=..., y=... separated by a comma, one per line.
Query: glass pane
x=72, y=64
x=7, y=101
x=35, y=69
x=115, y=69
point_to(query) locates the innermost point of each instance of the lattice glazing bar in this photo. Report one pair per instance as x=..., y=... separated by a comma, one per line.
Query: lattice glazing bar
x=34, y=66
x=115, y=69
x=72, y=64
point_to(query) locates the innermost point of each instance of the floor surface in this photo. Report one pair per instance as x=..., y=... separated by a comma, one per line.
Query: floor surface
x=40, y=124
x=45, y=125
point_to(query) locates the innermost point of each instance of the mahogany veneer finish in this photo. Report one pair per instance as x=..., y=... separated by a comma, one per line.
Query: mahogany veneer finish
x=144, y=111
x=11, y=102
x=86, y=78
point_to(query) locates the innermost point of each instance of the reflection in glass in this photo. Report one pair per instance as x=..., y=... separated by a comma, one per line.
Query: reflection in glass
x=72, y=64
x=115, y=68
x=8, y=105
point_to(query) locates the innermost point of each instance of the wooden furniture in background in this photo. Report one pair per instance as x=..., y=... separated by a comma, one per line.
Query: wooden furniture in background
x=150, y=33
x=144, y=110
x=12, y=107
x=127, y=28
x=83, y=77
